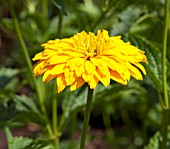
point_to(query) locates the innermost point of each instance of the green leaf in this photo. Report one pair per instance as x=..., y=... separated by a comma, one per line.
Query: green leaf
x=24, y=103
x=73, y=102
x=76, y=100
x=59, y=4
x=70, y=145
x=7, y=110
x=126, y=19
x=7, y=23
x=29, y=116
x=27, y=110
x=17, y=142
x=40, y=144
x=154, y=142
x=19, y=110
x=154, y=56
x=6, y=75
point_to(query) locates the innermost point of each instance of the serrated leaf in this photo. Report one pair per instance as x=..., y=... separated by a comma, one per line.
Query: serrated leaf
x=6, y=75
x=40, y=144
x=17, y=142
x=27, y=110
x=154, y=142
x=20, y=110
x=154, y=56
x=25, y=117
x=7, y=110
x=24, y=103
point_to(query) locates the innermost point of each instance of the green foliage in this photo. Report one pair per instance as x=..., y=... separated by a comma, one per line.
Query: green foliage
x=6, y=76
x=131, y=109
x=154, y=142
x=68, y=145
x=60, y=6
x=17, y=142
x=126, y=19
x=40, y=144
x=19, y=110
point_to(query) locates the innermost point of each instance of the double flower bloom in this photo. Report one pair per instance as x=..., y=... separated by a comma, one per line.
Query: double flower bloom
x=89, y=58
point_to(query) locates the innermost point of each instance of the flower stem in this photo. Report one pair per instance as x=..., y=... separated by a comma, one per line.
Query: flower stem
x=55, y=119
x=20, y=38
x=101, y=18
x=29, y=65
x=60, y=17
x=165, y=33
x=44, y=14
x=86, y=117
x=110, y=6
x=165, y=122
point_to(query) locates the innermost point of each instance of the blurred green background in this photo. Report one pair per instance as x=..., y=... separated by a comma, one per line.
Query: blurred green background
x=123, y=117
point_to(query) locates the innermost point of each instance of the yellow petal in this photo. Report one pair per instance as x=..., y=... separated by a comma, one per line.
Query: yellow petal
x=56, y=59
x=89, y=67
x=77, y=83
x=80, y=70
x=70, y=76
x=58, y=69
x=105, y=79
x=134, y=71
x=39, y=68
x=116, y=77
x=72, y=64
x=49, y=78
x=118, y=66
x=38, y=56
x=93, y=82
x=141, y=67
x=61, y=83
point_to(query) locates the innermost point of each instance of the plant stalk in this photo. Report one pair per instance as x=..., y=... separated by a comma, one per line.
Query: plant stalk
x=55, y=119
x=29, y=65
x=86, y=117
x=44, y=14
x=165, y=121
x=60, y=19
x=164, y=51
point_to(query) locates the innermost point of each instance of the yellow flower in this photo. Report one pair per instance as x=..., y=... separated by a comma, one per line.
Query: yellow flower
x=89, y=58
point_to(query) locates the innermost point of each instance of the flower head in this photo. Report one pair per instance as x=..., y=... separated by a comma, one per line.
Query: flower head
x=89, y=58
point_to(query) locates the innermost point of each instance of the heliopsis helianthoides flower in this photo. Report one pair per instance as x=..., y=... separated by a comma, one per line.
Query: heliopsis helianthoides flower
x=89, y=58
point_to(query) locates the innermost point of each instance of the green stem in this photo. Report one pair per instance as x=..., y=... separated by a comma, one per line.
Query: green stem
x=164, y=127
x=72, y=130
x=24, y=49
x=165, y=34
x=164, y=77
x=44, y=14
x=60, y=17
x=29, y=64
x=55, y=120
x=100, y=18
x=86, y=118
x=104, y=13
